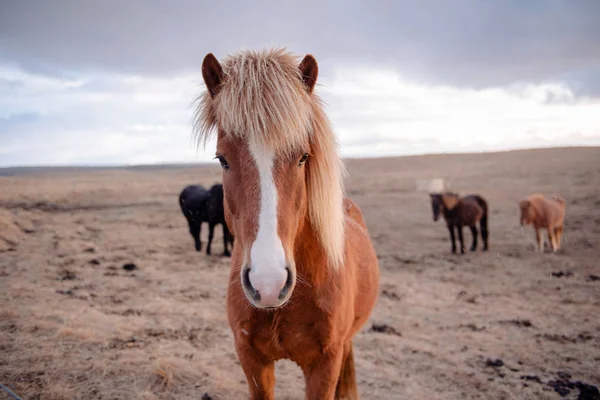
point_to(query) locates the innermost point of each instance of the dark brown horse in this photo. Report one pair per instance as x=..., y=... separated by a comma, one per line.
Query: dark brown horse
x=459, y=212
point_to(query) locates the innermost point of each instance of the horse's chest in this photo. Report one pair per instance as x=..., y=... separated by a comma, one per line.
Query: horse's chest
x=291, y=338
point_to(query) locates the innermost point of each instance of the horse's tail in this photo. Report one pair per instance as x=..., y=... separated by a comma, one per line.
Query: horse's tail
x=346, y=386
x=484, y=220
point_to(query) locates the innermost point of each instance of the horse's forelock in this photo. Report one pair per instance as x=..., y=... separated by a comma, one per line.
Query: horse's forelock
x=262, y=98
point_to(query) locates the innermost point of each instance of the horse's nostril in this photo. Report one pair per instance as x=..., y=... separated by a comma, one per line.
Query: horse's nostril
x=255, y=293
x=288, y=284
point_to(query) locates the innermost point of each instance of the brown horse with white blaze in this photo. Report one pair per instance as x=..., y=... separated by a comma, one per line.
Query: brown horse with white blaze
x=304, y=275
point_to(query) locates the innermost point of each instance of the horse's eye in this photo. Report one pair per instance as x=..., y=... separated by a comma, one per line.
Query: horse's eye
x=223, y=162
x=303, y=159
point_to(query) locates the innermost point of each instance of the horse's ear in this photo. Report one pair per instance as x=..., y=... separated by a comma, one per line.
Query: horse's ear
x=309, y=70
x=212, y=74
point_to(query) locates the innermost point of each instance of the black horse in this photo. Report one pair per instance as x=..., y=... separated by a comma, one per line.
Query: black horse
x=462, y=211
x=199, y=205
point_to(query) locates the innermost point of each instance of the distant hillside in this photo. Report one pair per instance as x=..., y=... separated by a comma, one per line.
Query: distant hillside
x=27, y=170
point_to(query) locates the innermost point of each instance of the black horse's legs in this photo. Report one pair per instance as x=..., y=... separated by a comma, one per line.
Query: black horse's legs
x=451, y=229
x=211, y=232
x=195, y=232
x=226, y=239
x=460, y=238
x=484, y=236
x=474, y=232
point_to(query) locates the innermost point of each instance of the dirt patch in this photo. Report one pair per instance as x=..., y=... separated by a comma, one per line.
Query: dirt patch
x=384, y=328
x=497, y=363
x=563, y=385
x=521, y=323
x=13, y=229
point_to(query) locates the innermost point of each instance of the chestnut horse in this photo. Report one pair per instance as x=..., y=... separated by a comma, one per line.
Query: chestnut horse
x=459, y=212
x=544, y=213
x=304, y=274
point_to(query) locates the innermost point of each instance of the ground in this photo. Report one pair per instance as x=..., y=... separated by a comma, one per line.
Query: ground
x=506, y=324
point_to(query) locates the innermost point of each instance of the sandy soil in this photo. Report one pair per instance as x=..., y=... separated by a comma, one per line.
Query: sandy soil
x=507, y=324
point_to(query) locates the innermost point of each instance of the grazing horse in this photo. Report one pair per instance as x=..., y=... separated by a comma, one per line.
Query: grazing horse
x=544, y=213
x=459, y=212
x=199, y=205
x=304, y=274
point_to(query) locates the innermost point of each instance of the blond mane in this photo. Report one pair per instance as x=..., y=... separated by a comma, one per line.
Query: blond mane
x=262, y=99
x=450, y=200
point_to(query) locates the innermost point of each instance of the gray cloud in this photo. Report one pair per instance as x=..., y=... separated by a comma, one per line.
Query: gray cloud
x=464, y=42
x=112, y=81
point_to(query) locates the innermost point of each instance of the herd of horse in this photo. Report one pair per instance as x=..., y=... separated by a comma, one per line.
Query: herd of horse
x=304, y=275
x=536, y=209
x=199, y=205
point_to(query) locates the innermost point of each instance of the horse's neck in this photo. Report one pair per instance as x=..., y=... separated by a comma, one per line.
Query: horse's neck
x=309, y=256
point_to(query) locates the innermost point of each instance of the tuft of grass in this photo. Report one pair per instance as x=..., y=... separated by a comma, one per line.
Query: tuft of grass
x=164, y=376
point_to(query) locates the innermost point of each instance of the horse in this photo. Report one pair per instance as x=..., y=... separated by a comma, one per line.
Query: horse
x=546, y=213
x=199, y=205
x=462, y=211
x=304, y=274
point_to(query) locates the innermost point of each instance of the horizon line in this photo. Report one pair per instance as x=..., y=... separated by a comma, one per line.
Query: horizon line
x=208, y=163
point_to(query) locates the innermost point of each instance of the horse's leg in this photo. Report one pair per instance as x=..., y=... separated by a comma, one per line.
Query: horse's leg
x=460, y=238
x=558, y=233
x=474, y=232
x=346, y=385
x=260, y=373
x=552, y=239
x=540, y=240
x=484, y=233
x=226, y=236
x=195, y=232
x=451, y=229
x=322, y=376
x=211, y=233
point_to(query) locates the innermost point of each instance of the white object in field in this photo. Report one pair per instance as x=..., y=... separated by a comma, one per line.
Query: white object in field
x=432, y=186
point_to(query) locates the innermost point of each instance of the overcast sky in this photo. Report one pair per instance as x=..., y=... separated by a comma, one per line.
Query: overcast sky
x=112, y=82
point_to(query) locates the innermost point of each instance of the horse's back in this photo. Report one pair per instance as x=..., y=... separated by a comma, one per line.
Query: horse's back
x=474, y=207
x=549, y=211
x=191, y=192
x=536, y=198
x=191, y=199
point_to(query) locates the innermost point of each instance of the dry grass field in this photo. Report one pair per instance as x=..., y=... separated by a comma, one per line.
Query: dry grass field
x=506, y=324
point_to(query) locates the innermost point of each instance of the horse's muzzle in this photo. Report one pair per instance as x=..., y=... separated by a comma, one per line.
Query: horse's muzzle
x=268, y=291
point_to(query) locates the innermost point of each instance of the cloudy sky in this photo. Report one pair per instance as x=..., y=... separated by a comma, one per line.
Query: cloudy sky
x=112, y=82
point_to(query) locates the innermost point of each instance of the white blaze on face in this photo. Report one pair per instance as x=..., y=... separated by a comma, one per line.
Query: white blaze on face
x=268, y=272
